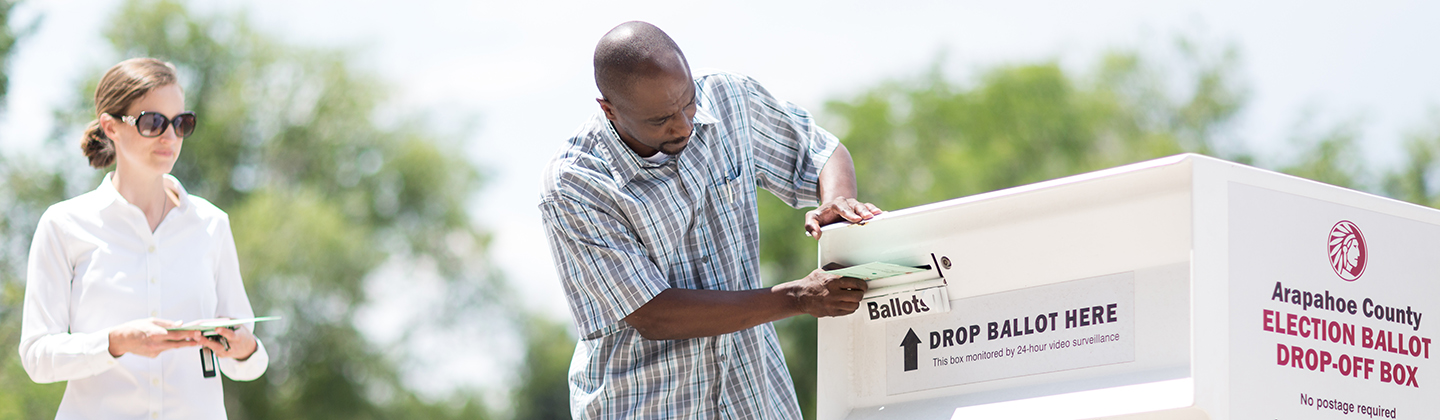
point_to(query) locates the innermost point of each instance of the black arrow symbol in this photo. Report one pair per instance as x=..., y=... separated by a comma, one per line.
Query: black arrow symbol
x=911, y=345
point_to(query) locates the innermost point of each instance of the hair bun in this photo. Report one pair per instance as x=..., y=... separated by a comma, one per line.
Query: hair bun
x=99, y=149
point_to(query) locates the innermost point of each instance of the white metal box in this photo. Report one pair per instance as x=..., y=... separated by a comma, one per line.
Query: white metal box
x=1180, y=288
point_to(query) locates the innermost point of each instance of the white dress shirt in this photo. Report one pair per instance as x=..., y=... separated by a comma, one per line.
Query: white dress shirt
x=95, y=264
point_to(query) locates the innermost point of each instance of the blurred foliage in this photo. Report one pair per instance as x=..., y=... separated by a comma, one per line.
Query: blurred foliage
x=21, y=182
x=8, y=39
x=546, y=367
x=1327, y=154
x=1418, y=179
x=26, y=189
x=321, y=198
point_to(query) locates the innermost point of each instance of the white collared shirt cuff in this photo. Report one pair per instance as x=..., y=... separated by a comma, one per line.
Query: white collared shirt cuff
x=250, y=368
x=96, y=348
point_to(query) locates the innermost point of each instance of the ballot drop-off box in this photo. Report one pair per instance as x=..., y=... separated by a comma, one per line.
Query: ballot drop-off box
x=1180, y=288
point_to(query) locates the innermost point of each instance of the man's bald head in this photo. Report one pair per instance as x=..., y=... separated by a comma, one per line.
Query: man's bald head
x=632, y=51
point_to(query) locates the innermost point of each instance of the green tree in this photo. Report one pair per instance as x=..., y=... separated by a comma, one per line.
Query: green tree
x=545, y=370
x=927, y=139
x=320, y=196
x=1415, y=179
x=1328, y=154
x=21, y=184
x=8, y=39
x=24, y=186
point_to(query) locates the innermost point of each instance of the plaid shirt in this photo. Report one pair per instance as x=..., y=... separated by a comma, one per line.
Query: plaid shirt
x=623, y=229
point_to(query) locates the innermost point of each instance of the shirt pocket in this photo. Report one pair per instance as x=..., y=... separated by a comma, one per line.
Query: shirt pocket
x=728, y=189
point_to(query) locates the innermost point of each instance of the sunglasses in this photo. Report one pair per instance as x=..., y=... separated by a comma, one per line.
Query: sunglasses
x=152, y=124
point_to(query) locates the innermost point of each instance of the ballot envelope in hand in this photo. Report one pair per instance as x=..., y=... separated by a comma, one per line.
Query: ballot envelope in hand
x=209, y=325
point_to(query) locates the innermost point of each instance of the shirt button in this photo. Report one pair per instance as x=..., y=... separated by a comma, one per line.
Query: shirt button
x=152, y=249
x=153, y=280
x=155, y=381
x=154, y=415
x=154, y=313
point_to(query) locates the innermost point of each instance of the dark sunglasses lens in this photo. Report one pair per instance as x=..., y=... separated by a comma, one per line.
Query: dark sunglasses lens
x=150, y=125
x=184, y=125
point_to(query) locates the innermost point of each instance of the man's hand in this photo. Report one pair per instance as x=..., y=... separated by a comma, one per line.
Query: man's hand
x=836, y=209
x=148, y=337
x=822, y=294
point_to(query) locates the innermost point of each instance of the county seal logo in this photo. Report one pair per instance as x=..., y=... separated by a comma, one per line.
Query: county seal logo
x=1348, y=252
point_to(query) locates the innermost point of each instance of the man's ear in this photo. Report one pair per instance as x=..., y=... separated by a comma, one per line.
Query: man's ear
x=608, y=108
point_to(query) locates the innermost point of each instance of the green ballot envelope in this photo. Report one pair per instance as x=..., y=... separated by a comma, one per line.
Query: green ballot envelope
x=221, y=323
x=876, y=270
x=208, y=361
x=898, y=291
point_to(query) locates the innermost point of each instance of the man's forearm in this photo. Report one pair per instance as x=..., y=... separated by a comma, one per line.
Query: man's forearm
x=687, y=313
x=837, y=178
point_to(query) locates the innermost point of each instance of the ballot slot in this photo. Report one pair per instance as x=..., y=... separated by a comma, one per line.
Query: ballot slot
x=897, y=291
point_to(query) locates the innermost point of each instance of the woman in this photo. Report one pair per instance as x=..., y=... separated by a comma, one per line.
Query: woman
x=112, y=269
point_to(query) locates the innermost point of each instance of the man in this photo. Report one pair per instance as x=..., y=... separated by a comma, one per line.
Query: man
x=650, y=212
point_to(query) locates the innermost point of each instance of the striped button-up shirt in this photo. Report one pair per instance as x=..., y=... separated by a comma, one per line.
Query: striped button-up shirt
x=623, y=229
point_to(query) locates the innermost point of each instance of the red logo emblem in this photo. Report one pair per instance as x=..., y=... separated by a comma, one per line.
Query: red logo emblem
x=1348, y=253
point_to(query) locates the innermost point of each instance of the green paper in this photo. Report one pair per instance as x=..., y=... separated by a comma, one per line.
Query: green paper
x=222, y=323
x=874, y=270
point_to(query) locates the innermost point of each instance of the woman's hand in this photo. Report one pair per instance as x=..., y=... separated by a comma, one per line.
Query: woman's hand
x=148, y=337
x=242, y=343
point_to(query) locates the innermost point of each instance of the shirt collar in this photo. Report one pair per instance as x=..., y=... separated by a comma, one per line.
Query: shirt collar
x=107, y=188
x=626, y=164
x=703, y=116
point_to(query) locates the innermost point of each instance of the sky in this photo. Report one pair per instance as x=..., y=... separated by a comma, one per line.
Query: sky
x=521, y=69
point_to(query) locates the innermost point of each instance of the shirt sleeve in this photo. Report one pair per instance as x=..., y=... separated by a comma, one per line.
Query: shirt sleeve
x=789, y=148
x=48, y=350
x=232, y=302
x=606, y=272
x=249, y=369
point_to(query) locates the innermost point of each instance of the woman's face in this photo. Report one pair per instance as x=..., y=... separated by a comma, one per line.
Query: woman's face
x=150, y=154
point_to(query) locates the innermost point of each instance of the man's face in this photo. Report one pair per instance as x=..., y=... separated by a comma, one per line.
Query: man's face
x=655, y=113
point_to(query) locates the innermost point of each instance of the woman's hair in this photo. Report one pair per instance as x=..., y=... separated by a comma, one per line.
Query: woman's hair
x=122, y=85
